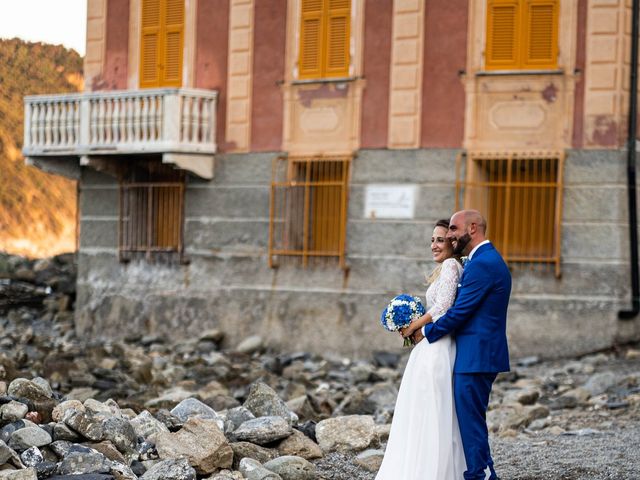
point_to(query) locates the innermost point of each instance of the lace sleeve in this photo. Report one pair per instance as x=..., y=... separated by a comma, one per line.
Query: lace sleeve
x=446, y=288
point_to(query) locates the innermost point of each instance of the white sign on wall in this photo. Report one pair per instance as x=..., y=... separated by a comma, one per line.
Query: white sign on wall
x=389, y=201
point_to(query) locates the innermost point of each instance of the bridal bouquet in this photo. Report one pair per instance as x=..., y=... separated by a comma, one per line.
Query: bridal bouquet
x=399, y=313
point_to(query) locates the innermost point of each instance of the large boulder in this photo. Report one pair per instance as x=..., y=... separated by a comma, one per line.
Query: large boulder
x=345, y=434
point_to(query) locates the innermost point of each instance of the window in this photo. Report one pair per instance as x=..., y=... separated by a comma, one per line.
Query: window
x=324, y=38
x=522, y=35
x=520, y=195
x=161, y=43
x=308, y=209
x=151, y=212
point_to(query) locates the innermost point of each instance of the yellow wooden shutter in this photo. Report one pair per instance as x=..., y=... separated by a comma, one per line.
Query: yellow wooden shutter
x=173, y=41
x=503, y=29
x=150, y=44
x=310, y=63
x=337, y=41
x=541, y=36
x=161, y=43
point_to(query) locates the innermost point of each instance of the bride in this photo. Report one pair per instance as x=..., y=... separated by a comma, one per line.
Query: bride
x=424, y=442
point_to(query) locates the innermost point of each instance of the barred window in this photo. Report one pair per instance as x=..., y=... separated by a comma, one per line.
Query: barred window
x=520, y=194
x=151, y=212
x=308, y=209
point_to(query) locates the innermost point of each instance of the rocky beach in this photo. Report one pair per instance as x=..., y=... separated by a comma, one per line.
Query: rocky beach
x=153, y=407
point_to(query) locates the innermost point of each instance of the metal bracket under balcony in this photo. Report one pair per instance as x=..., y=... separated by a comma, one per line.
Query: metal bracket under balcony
x=179, y=124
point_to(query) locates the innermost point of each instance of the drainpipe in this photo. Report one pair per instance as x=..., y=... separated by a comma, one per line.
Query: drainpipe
x=631, y=169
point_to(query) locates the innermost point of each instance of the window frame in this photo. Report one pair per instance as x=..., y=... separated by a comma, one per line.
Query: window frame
x=297, y=229
x=473, y=191
x=140, y=233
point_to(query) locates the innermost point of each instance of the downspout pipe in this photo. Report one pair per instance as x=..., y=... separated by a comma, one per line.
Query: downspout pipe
x=631, y=170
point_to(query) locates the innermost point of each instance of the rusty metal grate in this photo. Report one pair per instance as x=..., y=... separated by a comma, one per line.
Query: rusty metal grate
x=520, y=194
x=308, y=208
x=151, y=219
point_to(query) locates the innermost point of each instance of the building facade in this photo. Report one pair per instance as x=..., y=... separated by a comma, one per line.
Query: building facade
x=275, y=167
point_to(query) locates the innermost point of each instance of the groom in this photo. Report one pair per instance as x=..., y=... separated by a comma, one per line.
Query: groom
x=478, y=320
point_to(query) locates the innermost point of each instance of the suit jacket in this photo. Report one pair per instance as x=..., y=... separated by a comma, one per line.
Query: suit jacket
x=478, y=317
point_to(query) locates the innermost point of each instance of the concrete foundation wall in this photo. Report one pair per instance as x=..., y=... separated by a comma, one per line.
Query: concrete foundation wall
x=228, y=283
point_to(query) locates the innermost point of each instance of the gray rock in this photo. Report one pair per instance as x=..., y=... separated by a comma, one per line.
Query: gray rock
x=382, y=395
x=600, y=383
x=44, y=385
x=26, y=474
x=61, y=448
x=29, y=437
x=62, y=432
x=348, y=433
x=564, y=401
x=253, y=470
x=122, y=471
x=251, y=450
x=85, y=424
x=171, y=469
x=12, y=411
x=362, y=372
x=77, y=463
x=31, y=456
x=6, y=453
x=263, y=401
x=370, y=460
x=85, y=476
x=145, y=425
x=120, y=432
x=201, y=442
x=292, y=468
x=263, y=430
x=21, y=387
x=192, y=407
x=237, y=416
x=46, y=469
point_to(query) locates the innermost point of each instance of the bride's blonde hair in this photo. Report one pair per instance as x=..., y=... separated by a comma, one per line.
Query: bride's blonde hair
x=435, y=273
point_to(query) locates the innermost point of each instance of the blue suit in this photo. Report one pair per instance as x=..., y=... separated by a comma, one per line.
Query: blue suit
x=478, y=319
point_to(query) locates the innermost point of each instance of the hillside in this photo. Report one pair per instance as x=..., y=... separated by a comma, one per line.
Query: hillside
x=37, y=210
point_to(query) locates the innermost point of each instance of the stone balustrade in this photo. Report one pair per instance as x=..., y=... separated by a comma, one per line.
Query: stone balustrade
x=121, y=122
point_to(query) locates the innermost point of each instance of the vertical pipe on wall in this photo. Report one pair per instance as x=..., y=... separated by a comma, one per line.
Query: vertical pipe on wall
x=631, y=169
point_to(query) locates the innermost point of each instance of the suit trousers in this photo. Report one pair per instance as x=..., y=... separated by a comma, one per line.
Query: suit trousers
x=471, y=393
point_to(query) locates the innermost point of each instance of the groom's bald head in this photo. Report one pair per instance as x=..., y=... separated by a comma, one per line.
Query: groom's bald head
x=475, y=217
x=467, y=229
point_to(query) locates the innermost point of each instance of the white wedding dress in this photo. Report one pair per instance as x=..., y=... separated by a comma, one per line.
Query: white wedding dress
x=424, y=442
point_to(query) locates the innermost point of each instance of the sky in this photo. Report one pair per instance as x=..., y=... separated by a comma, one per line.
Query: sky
x=50, y=21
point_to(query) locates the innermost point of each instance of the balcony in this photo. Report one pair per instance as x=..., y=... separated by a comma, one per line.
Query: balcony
x=179, y=124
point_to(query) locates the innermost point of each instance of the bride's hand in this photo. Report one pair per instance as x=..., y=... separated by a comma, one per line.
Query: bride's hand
x=407, y=331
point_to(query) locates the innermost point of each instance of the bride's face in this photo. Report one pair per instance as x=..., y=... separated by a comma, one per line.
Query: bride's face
x=441, y=248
